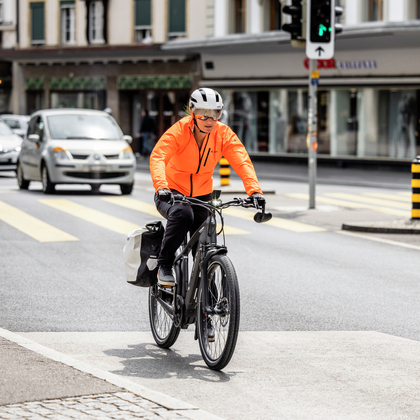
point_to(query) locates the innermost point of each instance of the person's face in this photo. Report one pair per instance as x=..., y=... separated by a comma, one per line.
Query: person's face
x=206, y=126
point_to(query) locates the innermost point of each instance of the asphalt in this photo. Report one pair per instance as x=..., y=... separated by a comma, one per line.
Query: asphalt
x=34, y=378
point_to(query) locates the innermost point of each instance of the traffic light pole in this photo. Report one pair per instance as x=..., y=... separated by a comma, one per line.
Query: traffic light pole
x=312, y=130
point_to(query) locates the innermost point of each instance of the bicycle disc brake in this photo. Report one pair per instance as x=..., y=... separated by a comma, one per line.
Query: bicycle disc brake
x=223, y=308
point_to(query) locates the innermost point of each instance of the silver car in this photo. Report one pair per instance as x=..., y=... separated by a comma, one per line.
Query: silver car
x=10, y=145
x=18, y=123
x=75, y=146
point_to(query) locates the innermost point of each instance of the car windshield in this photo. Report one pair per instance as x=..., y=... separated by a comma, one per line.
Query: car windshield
x=79, y=126
x=15, y=124
x=4, y=129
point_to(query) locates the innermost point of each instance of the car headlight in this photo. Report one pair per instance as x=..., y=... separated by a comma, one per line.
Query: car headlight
x=61, y=154
x=126, y=153
x=17, y=149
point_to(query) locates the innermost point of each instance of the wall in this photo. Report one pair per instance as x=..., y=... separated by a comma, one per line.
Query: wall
x=120, y=22
x=196, y=15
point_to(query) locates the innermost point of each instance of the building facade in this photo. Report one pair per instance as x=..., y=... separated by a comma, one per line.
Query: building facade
x=131, y=55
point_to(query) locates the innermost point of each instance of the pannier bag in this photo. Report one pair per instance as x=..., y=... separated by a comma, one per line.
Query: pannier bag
x=141, y=252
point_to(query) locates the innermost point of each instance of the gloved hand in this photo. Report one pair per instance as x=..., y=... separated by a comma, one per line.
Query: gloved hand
x=165, y=195
x=258, y=199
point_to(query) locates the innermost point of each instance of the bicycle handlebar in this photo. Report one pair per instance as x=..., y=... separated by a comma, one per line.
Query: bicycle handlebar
x=259, y=217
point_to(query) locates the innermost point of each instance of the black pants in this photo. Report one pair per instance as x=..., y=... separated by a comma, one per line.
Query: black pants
x=181, y=219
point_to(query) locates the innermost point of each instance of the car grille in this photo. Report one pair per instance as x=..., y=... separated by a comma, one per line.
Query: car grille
x=80, y=157
x=96, y=175
x=8, y=162
x=112, y=156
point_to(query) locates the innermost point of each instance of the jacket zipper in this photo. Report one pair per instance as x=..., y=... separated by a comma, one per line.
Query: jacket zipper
x=207, y=157
x=199, y=163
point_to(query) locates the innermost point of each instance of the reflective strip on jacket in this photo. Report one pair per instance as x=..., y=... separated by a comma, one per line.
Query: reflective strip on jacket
x=177, y=163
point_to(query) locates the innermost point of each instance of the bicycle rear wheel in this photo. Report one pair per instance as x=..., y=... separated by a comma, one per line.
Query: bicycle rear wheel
x=162, y=325
x=223, y=293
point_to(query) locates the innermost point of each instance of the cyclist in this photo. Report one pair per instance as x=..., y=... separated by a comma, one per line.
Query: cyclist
x=183, y=162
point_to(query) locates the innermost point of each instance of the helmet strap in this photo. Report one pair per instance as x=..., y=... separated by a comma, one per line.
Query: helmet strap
x=195, y=123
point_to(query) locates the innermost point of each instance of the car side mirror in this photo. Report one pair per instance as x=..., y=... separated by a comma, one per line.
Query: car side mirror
x=34, y=138
x=128, y=139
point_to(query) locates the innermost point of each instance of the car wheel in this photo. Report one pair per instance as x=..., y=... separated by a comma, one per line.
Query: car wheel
x=126, y=188
x=47, y=186
x=95, y=187
x=22, y=182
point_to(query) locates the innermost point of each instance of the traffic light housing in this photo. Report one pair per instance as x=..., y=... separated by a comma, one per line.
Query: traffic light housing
x=297, y=27
x=321, y=28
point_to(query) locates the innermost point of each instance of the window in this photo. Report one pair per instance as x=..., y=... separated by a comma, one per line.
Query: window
x=37, y=23
x=143, y=21
x=68, y=25
x=1, y=11
x=96, y=22
x=375, y=10
x=239, y=13
x=176, y=18
x=275, y=15
x=417, y=9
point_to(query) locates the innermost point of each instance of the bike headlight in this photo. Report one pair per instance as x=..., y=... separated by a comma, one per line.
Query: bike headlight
x=61, y=154
x=126, y=153
x=216, y=202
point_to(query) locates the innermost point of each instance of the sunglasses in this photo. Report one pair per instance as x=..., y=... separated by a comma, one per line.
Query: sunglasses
x=205, y=114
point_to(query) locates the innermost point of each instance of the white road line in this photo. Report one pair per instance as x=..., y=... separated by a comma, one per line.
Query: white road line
x=384, y=241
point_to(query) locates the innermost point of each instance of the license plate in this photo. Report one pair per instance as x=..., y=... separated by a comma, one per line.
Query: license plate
x=96, y=168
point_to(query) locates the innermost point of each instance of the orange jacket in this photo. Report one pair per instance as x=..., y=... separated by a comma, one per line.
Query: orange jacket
x=177, y=163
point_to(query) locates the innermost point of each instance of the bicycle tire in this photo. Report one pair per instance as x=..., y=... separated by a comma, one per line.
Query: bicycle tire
x=164, y=331
x=222, y=282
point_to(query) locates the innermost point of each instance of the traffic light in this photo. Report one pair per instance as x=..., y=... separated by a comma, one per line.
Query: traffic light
x=321, y=28
x=297, y=27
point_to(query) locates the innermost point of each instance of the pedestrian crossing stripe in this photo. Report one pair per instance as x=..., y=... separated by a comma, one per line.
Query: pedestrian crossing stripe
x=388, y=197
x=368, y=200
x=350, y=204
x=31, y=226
x=405, y=194
x=275, y=221
x=147, y=208
x=90, y=215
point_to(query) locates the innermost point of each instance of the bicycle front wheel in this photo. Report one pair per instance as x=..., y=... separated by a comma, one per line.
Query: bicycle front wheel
x=223, y=295
x=162, y=325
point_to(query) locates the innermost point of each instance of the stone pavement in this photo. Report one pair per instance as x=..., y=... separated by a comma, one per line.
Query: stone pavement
x=39, y=383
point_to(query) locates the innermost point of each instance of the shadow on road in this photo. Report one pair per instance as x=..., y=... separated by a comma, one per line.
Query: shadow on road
x=149, y=361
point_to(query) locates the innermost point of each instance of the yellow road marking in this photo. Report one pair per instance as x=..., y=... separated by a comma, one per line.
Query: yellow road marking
x=389, y=197
x=90, y=215
x=275, y=221
x=373, y=201
x=31, y=226
x=147, y=208
x=131, y=203
x=342, y=203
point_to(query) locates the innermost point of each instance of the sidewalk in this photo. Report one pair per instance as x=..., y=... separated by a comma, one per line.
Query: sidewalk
x=39, y=383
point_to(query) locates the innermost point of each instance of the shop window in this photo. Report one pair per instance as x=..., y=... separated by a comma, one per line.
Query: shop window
x=375, y=11
x=86, y=100
x=96, y=22
x=275, y=15
x=176, y=15
x=68, y=23
x=143, y=21
x=37, y=23
x=239, y=16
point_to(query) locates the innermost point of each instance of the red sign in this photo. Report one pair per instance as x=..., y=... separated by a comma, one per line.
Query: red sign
x=322, y=64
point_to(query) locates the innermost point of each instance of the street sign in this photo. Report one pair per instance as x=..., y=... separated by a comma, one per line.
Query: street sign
x=320, y=32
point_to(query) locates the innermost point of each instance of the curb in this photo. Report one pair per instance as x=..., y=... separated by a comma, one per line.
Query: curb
x=379, y=229
x=170, y=403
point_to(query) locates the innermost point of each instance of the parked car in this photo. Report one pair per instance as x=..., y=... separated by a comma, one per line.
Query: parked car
x=10, y=145
x=75, y=146
x=18, y=123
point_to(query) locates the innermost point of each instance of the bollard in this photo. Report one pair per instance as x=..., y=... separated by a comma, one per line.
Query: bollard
x=415, y=184
x=224, y=172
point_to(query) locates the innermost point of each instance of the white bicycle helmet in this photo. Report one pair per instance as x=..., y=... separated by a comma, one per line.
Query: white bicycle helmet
x=206, y=103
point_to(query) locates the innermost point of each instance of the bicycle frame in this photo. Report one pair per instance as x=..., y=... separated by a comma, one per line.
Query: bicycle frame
x=206, y=239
